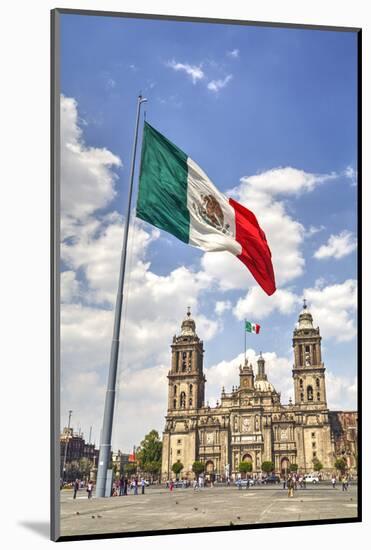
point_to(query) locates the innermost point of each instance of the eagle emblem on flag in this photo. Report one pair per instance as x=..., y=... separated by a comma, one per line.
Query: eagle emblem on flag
x=210, y=211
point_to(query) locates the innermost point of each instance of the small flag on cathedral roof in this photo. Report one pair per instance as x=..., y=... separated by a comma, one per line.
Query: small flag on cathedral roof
x=252, y=327
x=177, y=196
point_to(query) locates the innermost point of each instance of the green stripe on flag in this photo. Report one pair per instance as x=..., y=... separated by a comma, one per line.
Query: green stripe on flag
x=162, y=195
x=248, y=326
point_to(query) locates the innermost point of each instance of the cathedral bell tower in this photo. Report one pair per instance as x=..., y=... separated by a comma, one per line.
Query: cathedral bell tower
x=186, y=377
x=308, y=371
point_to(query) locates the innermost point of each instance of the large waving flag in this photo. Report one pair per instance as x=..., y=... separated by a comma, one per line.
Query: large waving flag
x=177, y=196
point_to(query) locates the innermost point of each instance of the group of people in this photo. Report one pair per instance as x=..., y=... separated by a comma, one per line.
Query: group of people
x=80, y=485
x=294, y=480
x=344, y=478
x=120, y=488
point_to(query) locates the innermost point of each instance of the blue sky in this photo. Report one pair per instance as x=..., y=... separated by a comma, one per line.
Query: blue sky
x=269, y=113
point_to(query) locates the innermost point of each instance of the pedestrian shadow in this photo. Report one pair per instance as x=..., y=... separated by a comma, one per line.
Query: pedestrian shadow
x=42, y=528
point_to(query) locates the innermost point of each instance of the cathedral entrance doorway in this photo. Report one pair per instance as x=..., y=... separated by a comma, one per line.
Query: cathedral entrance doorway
x=247, y=458
x=209, y=470
x=285, y=466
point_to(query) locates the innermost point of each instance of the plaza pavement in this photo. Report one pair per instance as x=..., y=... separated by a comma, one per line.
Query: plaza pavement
x=214, y=506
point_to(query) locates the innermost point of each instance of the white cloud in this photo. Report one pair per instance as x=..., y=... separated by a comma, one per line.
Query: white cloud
x=110, y=84
x=257, y=304
x=70, y=286
x=313, y=230
x=216, y=85
x=341, y=392
x=285, y=235
x=87, y=178
x=286, y=180
x=195, y=72
x=337, y=246
x=333, y=308
x=234, y=53
x=226, y=373
x=351, y=174
x=222, y=306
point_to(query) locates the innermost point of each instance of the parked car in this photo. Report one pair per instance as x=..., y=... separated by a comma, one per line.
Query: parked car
x=311, y=478
x=271, y=479
x=244, y=482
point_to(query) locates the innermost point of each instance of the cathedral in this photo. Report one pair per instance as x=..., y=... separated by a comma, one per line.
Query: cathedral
x=250, y=423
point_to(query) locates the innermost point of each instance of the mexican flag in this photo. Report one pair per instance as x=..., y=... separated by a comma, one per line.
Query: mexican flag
x=177, y=196
x=252, y=327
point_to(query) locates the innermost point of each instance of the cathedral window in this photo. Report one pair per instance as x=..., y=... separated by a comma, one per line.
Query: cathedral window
x=178, y=452
x=190, y=402
x=313, y=445
x=313, y=434
x=301, y=383
x=174, y=403
x=174, y=390
x=301, y=397
x=318, y=396
x=307, y=349
x=190, y=388
x=179, y=441
x=182, y=400
x=317, y=382
x=314, y=454
x=310, y=393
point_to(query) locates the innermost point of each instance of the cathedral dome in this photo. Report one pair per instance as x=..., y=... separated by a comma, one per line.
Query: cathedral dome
x=305, y=318
x=188, y=325
x=263, y=385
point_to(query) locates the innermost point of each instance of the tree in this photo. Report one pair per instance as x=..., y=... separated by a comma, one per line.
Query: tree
x=85, y=466
x=341, y=464
x=177, y=467
x=317, y=465
x=294, y=467
x=198, y=467
x=244, y=467
x=153, y=468
x=72, y=470
x=267, y=466
x=131, y=468
x=150, y=453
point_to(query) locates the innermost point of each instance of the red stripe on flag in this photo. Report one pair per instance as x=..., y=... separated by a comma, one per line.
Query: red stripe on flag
x=257, y=328
x=256, y=254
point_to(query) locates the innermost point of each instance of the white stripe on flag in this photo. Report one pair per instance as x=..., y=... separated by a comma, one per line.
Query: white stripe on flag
x=201, y=233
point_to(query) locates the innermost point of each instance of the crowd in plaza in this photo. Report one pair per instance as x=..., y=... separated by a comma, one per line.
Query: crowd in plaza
x=291, y=482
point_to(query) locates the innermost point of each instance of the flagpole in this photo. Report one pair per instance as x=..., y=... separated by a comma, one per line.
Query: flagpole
x=244, y=328
x=105, y=444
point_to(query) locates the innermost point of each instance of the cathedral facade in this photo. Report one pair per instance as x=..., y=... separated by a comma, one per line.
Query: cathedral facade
x=250, y=423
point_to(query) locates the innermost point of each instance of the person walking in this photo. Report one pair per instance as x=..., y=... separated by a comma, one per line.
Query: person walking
x=136, y=486
x=121, y=486
x=344, y=483
x=76, y=487
x=143, y=484
x=333, y=481
x=194, y=484
x=125, y=486
x=90, y=489
x=239, y=484
x=171, y=486
x=290, y=486
x=284, y=481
